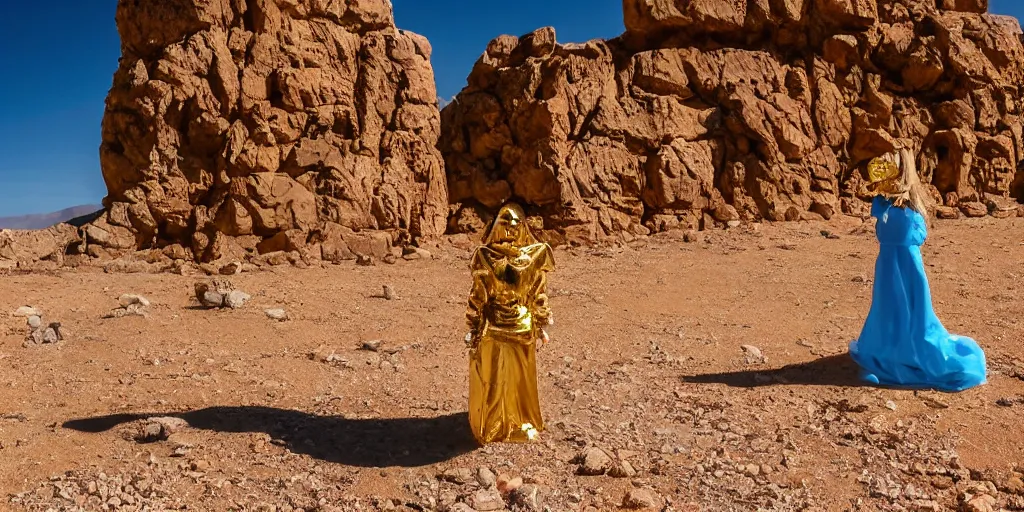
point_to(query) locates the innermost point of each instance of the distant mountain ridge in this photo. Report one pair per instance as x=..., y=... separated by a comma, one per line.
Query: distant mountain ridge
x=45, y=220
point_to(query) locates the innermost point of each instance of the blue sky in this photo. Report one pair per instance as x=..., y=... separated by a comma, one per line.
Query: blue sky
x=58, y=58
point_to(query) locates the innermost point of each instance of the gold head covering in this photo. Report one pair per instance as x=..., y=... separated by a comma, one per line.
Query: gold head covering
x=894, y=176
x=884, y=176
x=509, y=229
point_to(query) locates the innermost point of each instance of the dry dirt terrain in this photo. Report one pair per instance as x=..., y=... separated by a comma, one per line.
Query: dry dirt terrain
x=357, y=402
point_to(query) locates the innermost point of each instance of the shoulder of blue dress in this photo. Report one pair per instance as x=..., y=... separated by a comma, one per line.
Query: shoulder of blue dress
x=878, y=206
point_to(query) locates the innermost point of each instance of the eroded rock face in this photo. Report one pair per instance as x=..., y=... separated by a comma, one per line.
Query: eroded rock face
x=710, y=111
x=25, y=248
x=237, y=127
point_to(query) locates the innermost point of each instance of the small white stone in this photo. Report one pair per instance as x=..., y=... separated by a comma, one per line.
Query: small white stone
x=129, y=299
x=236, y=299
x=212, y=299
x=50, y=336
x=277, y=314
x=753, y=354
x=27, y=311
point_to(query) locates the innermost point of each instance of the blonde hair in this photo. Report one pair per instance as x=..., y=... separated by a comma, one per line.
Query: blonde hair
x=911, y=191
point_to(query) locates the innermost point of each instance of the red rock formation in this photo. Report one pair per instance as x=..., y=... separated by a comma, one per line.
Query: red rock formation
x=710, y=111
x=19, y=248
x=235, y=127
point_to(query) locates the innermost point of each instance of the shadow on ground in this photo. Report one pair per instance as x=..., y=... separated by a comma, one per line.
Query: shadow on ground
x=403, y=442
x=838, y=370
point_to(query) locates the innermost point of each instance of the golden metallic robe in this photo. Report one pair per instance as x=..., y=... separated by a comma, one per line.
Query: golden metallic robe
x=507, y=313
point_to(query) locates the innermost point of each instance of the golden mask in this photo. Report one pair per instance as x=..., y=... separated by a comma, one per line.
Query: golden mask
x=883, y=176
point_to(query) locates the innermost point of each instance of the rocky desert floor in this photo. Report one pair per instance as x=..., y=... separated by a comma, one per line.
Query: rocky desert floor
x=683, y=375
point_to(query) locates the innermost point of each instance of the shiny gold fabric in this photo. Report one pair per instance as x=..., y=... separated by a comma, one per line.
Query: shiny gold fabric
x=884, y=176
x=507, y=313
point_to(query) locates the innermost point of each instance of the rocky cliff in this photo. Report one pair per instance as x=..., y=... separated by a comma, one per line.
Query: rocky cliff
x=237, y=127
x=707, y=112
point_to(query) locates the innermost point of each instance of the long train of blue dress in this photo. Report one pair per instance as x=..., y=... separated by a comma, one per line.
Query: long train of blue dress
x=903, y=343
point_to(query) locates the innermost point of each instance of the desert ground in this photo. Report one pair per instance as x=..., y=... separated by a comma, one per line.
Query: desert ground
x=357, y=402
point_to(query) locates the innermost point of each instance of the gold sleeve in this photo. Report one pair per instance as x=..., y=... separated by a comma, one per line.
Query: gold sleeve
x=541, y=311
x=544, y=263
x=477, y=295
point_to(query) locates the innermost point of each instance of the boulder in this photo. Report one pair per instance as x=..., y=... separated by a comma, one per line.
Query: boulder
x=254, y=124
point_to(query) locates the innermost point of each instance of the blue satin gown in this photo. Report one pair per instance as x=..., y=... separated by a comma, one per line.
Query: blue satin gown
x=903, y=343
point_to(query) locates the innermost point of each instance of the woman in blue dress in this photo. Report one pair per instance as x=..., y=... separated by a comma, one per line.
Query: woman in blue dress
x=903, y=343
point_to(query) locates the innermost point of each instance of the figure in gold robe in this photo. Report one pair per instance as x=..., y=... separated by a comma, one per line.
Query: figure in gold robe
x=507, y=314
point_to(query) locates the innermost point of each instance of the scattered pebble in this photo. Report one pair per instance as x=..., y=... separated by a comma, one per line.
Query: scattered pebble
x=130, y=299
x=979, y=503
x=458, y=476
x=622, y=469
x=526, y=498
x=219, y=293
x=235, y=299
x=130, y=305
x=277, y=314
x=41, y=333
x=211, y=299
x=486, y=500
x=485, y=478
x=51, y=335
x=753, y=355
x=160, y=429
x=594, y=461
x=231, y=269
x=639, y=499
x=27, y=311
